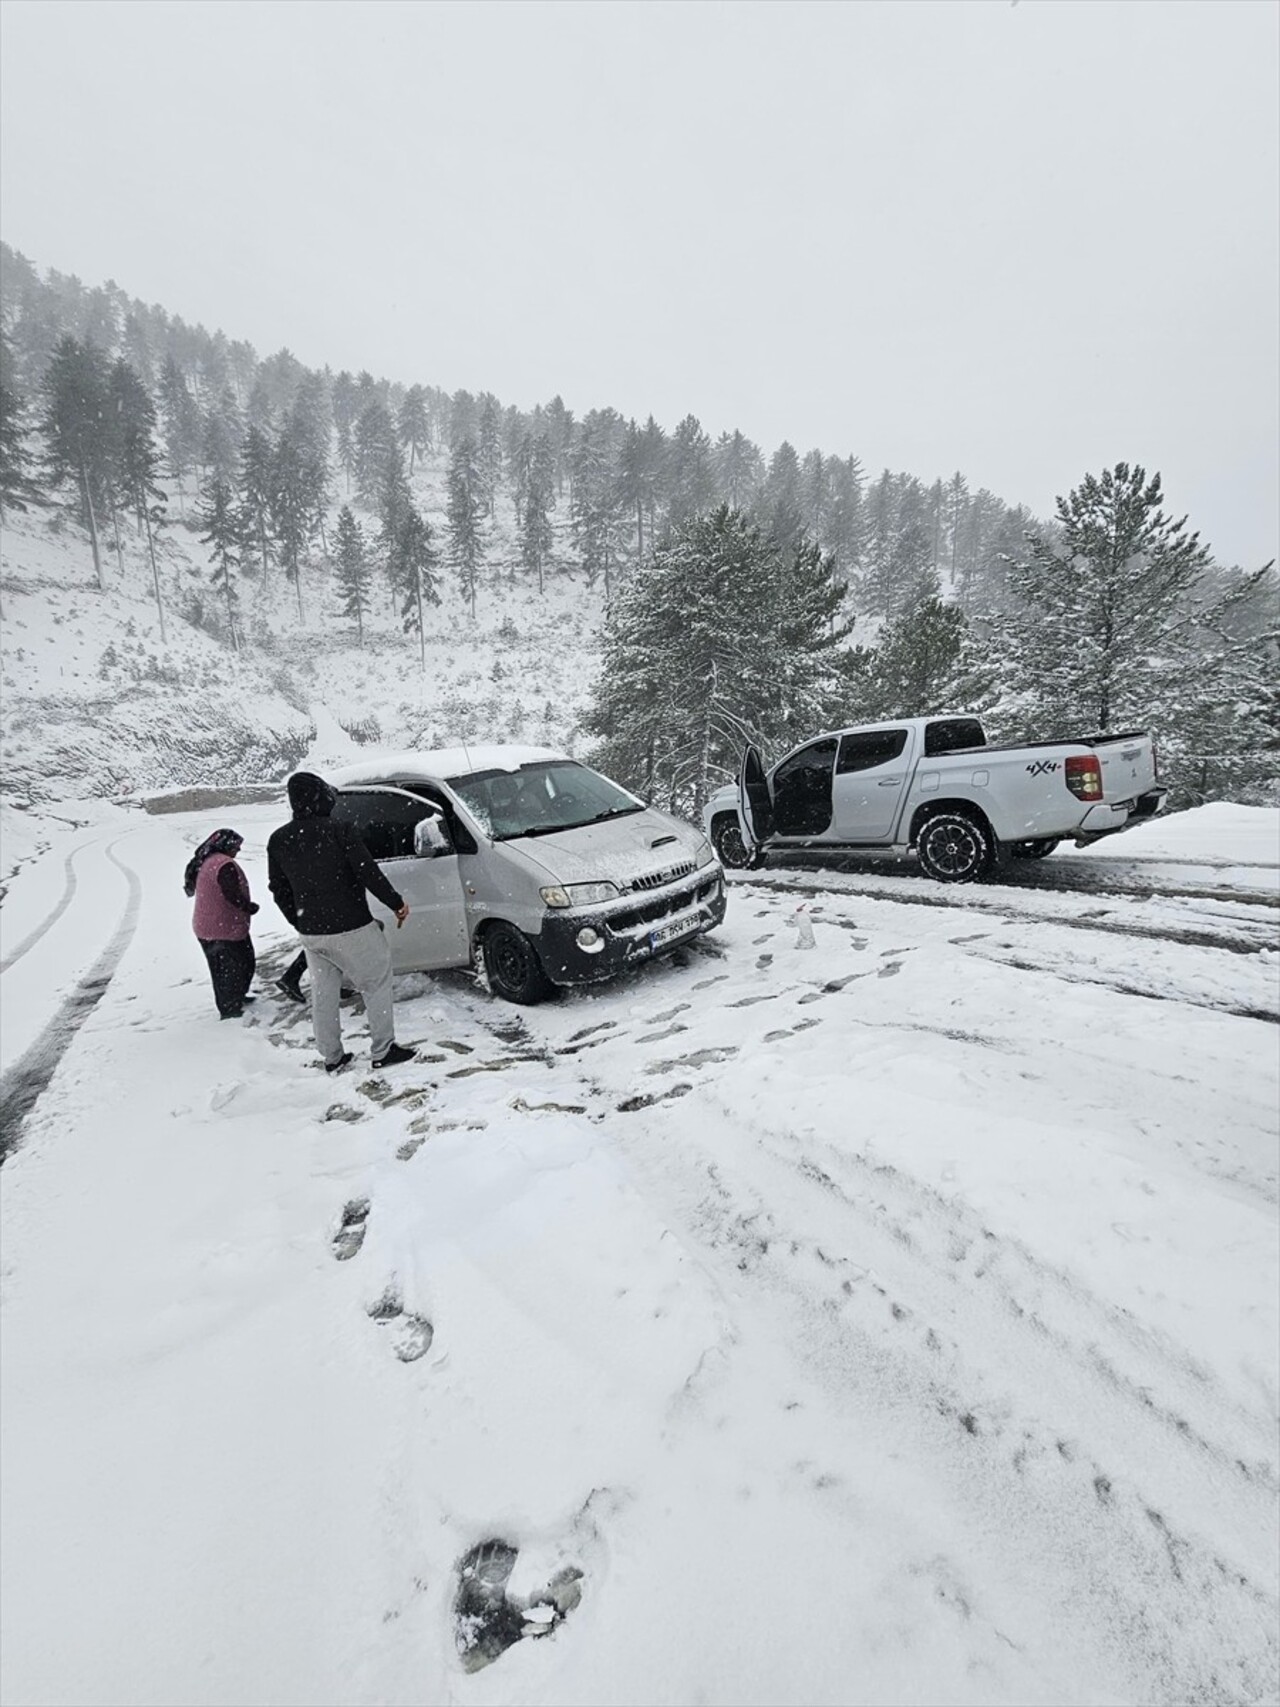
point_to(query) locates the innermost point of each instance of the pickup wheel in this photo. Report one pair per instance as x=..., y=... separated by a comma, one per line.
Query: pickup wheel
x=726, y=838
x=1033, y=850
x=511, y=962
x=955, y=848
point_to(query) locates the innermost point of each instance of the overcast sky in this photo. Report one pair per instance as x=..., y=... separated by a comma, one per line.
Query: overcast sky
x=1023, y=240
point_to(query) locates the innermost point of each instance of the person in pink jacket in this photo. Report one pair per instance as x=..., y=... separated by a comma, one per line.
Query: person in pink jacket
x=221, y=919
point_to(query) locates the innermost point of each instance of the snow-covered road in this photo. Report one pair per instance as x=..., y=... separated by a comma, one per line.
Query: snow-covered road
x=889, y=1320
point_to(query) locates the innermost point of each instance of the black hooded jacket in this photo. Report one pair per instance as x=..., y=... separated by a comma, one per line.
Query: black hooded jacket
x=318, y=869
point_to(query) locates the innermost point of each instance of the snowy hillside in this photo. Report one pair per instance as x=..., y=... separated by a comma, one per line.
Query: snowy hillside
x=97, y=705
x=889, y=1320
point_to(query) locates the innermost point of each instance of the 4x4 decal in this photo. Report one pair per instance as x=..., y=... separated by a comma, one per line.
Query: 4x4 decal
x=1042, y=767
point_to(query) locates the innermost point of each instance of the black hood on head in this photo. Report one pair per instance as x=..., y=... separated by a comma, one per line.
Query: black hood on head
x=310, y=796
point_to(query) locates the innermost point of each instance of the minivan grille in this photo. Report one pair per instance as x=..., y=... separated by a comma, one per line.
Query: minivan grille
x=651, y=912
x=656, y=879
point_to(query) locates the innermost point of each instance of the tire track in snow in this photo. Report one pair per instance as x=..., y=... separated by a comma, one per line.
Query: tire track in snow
x=1232, y=937
x=1093, y=881
x=23, y=1084
x=29, y=942
x=1080, y=1469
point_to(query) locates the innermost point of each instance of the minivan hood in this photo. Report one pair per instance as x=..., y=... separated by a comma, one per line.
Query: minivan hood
x=619, y=850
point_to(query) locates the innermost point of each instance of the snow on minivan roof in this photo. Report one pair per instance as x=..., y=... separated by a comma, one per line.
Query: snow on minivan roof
x=441, y=764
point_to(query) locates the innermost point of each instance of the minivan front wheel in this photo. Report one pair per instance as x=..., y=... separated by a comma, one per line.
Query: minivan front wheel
x=512, y=965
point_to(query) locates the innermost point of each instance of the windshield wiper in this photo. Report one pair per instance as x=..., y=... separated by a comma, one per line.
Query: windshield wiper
x=613, y=812
x=581, y=824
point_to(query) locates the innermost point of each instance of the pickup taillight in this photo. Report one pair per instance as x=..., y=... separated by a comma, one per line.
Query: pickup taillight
x=1084, y=776
x=1155, y=762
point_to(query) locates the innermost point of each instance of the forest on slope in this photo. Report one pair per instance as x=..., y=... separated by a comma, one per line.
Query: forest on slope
x=212, y=543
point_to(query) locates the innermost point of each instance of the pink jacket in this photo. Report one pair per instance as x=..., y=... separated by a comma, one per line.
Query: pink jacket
x=215, y=918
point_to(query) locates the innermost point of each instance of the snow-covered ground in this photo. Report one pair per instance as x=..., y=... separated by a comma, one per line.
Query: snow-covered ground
x=888, y=1320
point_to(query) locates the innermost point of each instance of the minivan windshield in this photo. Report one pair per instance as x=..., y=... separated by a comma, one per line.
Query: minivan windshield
x=540, y=798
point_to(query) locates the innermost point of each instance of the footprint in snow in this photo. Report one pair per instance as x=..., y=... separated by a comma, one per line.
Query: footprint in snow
x=350, y=1235
x=699, y=1058
x=630, y=1104
x=343, y=1111
x=657, y=1036
x=413, y=1334
x=591, y=1030
x=790, y=1031
x=487, y=1620
x=706, y=983
x=889, y=969
x=833, y=987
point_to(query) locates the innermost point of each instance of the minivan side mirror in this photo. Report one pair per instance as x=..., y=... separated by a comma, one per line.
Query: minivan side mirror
x=430, y=839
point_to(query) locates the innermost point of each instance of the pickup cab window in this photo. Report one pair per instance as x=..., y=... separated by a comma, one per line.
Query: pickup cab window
x=952, y=735
x=868, y=748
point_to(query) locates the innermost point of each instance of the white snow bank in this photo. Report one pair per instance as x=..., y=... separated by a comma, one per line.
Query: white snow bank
x=1220, y=832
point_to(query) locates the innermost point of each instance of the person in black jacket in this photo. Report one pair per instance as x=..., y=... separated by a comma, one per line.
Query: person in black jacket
x=319, y=870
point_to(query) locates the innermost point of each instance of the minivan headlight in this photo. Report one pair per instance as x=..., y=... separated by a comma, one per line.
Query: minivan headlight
x=580, y=894
x=705, y=855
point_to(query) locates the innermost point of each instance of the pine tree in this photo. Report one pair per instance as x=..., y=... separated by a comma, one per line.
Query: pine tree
x=1106, y=611
x=957, y=501
x=464, y=420
x=257, y=481
x=414, y=426
x=393, y=502
x=921, y=665
x=560, y=438
x=816, y=494
x=489, y=447
x=847, y=519
x=640, y=467
x=77, y=431
x=780, y=498
x=539, y=500
x=595, y=507
x=690, y=476
x=223, y=436
x=375, y=445
x=291, y=507
x=138, y=463
x=345, y=402
x=307, y=430
x=721, y=633
x=221, y=522
x=415, y=566
x=181, y=424
x=18, y=486
x=351, y=568
x=466, y=505
x=739, y=470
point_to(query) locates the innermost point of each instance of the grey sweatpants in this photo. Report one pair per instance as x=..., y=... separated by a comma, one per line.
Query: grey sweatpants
x=362, y=958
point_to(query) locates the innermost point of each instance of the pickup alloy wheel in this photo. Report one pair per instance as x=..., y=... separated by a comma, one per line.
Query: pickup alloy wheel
x=726, y=837
x=954, y=848
x=512, y=964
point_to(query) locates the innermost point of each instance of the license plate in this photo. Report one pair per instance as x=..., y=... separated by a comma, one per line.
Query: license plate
x=670, y=933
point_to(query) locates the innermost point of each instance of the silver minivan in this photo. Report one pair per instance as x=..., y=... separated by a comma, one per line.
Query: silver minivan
x=546, y=869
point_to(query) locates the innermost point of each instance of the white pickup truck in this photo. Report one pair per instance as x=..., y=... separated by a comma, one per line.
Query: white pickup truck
x=933, y=784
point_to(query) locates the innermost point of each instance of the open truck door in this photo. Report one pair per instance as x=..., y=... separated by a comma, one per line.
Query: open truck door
x=755, y=804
